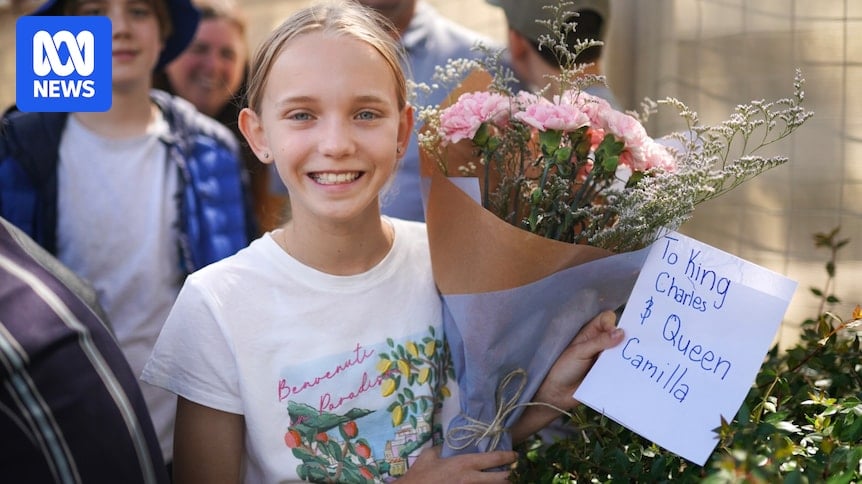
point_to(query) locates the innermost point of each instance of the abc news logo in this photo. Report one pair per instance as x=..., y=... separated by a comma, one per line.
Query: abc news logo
x=46, y=59
x=63, y=64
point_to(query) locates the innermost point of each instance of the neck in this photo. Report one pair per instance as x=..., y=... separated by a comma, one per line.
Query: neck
x=540, y=75
x=544, y=75
x=129, y=116
x=400, y=15
x=341, y=249
x=403, y=21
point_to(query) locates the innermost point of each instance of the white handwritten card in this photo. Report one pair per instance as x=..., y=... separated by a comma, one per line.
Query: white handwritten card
x=697, y=327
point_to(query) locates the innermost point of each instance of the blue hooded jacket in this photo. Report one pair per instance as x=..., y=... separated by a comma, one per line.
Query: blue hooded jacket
x=213, y=204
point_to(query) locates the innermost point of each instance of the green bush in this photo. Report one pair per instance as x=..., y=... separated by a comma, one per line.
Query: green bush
x=801, y=421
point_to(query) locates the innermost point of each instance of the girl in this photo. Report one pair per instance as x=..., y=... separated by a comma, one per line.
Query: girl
x=316, y=353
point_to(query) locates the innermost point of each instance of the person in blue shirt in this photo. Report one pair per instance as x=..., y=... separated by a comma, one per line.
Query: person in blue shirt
x=430, y=40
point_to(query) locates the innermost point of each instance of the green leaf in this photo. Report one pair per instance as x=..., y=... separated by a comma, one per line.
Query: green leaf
x=482, y=135
x=610, y=163
x=549, y=141
x=635, y=178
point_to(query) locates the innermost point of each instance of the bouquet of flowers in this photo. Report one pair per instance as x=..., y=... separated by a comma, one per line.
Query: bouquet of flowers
x=567, y=194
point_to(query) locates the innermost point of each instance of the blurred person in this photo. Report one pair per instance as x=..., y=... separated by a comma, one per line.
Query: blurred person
x=430, y=40
x=73, y=410
x=535, y=66
x=211, y=74
x=135, y=198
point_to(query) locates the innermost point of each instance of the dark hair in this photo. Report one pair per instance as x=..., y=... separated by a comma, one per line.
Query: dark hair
x=589, y=26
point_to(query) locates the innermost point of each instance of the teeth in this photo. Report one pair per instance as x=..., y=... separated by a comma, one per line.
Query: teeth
x=207, y=83
x=335, y=178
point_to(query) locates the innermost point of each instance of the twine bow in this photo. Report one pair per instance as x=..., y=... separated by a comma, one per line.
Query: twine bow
x=462, y=437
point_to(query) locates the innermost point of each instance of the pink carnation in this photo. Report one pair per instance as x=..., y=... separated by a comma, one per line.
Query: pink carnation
x=631, y=132
x=526, y=98
x=462, y=119
x=593, y=106
x=658, y=156
x=560, y=117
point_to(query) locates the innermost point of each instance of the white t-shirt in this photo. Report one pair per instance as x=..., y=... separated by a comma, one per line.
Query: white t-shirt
x=116, y=227
x=335, y=375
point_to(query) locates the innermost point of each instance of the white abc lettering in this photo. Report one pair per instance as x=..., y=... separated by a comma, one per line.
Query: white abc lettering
x=46, y=57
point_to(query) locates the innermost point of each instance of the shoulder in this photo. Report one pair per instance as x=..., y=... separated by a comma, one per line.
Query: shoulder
x=29, y=146
x=18, y=129
x=411, y=236
x=409, y=228
x=186, y=120
x=224, y=275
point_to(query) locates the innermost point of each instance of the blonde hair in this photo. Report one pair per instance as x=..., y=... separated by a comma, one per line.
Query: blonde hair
x=346, y=18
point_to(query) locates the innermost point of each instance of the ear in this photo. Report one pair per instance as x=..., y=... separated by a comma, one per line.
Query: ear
x=405, y=128
x=252, y=129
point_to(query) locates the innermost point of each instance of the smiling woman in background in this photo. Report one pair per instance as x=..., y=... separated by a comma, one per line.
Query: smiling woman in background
x=211, y=74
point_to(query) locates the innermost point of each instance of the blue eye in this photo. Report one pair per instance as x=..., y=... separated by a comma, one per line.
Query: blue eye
x=299, y=116
x=367, y=115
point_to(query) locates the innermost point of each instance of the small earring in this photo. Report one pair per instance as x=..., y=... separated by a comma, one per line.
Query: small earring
x=399, y=150
x=266, y=155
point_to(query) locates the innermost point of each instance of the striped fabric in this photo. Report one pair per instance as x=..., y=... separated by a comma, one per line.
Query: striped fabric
x=71, y=410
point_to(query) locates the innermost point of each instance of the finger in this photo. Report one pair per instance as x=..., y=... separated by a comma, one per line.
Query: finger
x=590, y=348
x=490, y=460
x=604, y=322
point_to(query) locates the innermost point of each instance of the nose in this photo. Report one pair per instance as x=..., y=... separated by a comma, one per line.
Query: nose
x=119, y=21
x=210, y=60
x=336, y=139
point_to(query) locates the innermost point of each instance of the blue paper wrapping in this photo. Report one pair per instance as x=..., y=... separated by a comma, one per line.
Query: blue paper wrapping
x=493, y=334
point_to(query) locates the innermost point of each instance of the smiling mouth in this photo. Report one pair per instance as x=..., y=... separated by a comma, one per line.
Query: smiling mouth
x=335, y=178
x=209, y=83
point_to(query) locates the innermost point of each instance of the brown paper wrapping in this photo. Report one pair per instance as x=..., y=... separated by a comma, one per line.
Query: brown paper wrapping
x=472, y=250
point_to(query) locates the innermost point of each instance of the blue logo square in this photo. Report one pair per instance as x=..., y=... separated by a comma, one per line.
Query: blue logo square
x=63, y=63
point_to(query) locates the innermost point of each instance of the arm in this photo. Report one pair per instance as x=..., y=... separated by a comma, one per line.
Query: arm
x=208, y=444
x=567, y=373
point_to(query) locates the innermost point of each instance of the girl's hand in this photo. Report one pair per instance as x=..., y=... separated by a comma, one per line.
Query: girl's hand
x=576, y=360
x=459, y=469
x=567, y=374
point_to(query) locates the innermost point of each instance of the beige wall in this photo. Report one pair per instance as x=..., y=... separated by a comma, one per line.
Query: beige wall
x=714, y=54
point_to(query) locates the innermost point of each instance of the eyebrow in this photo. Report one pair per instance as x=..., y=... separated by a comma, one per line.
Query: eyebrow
x=362, y=99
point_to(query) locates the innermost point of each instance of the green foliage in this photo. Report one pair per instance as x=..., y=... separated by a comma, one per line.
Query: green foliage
x=800, y=423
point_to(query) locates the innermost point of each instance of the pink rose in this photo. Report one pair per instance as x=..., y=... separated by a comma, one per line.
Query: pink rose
x=558, y=117
x=462, y=119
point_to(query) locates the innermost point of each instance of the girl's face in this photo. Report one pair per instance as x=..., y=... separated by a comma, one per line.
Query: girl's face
x=136, y=43
x=330, y=121
x=208, y=73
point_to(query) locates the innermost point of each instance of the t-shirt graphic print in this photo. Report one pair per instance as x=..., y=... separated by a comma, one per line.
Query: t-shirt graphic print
x=365, y=416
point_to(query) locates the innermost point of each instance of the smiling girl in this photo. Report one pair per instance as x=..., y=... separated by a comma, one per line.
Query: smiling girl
x=317, y=353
